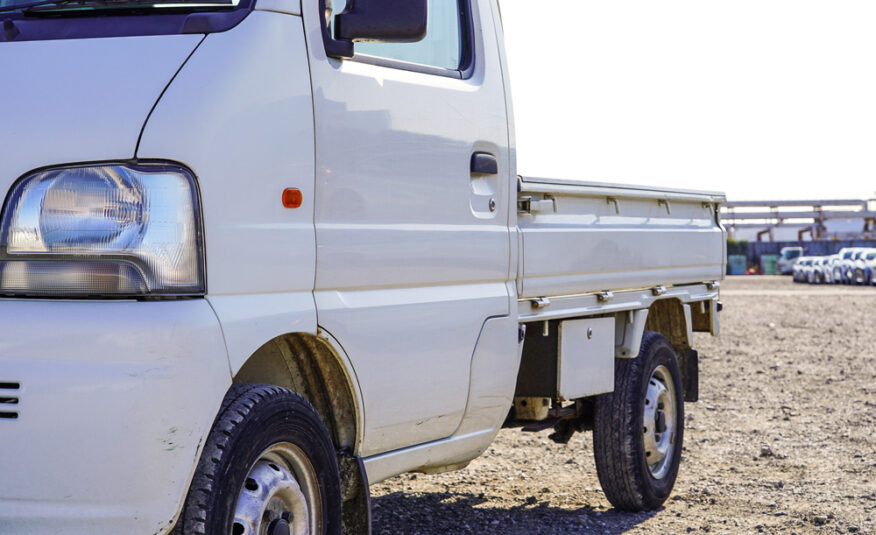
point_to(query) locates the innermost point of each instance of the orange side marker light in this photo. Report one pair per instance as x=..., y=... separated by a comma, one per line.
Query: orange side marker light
x=292, y=197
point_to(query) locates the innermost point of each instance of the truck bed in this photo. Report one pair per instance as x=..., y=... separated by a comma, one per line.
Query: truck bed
x=583, y=237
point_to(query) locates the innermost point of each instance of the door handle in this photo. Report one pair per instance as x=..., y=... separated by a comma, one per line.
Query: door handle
x=484, y=163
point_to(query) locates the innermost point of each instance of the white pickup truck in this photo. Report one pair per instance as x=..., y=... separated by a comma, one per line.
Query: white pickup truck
x=255, y=256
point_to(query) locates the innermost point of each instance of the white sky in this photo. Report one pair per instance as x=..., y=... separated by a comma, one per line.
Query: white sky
x=762, y=99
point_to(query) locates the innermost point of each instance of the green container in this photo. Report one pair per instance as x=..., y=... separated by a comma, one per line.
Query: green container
x=768, y=264
x=736, y=264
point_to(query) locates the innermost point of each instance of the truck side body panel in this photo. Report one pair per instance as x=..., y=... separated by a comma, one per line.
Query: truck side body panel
x=411, y=257
x=615, y=237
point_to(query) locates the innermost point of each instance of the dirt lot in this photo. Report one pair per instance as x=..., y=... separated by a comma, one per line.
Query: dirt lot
x=783, y=439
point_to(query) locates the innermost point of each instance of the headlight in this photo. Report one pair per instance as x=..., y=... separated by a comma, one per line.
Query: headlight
x=117, y=230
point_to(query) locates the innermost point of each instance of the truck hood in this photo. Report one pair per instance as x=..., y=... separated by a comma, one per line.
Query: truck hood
x=80, y=100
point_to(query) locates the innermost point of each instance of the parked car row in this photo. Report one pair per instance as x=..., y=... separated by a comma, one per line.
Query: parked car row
x=851, y=265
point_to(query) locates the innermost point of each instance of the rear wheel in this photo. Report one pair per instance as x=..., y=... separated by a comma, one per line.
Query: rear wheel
x=639, y=428
x=268, y=468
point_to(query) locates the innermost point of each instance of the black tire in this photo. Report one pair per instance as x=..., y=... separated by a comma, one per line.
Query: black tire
x=252, y=419
x=618, y=437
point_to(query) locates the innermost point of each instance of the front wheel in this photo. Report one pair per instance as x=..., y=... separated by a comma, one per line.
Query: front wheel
x=268, y=467
x=638, y=428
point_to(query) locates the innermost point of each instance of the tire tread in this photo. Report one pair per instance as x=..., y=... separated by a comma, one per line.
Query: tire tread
x=237, y=405
x=616, y=428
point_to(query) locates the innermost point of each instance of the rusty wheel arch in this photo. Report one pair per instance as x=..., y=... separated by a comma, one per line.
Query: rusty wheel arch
x=309, y=366
x=668, y=317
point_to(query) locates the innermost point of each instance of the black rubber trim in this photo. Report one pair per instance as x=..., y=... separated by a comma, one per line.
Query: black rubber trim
x=333, y=48
x=690, y=376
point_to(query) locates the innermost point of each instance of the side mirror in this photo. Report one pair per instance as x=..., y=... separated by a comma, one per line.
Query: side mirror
x=387, y=21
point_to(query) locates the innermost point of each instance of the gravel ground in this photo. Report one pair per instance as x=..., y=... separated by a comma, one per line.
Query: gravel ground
x=783, y=439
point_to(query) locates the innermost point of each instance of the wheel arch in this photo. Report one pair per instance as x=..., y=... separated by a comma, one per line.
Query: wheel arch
x=316, y=368
x=671, y=318
x=677, y=321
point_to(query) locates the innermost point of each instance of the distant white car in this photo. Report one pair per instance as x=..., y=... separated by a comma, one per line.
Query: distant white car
x=830, y=268
x=872, y=267
x=837, y=272
x=815, y=273
x=863, y=267
x=848, y=264
x=795, y=269
x=821, y=270
x=800, y=269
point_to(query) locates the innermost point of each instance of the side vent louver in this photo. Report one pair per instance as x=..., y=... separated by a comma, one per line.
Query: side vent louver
x=9, y=400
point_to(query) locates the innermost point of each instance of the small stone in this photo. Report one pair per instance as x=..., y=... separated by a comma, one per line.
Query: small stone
x=819, y=520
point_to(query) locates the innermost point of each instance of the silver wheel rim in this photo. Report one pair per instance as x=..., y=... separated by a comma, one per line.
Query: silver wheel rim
x=660, y=422
x=280, y=495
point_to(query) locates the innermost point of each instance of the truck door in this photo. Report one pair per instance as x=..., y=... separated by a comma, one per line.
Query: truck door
x=412, y=173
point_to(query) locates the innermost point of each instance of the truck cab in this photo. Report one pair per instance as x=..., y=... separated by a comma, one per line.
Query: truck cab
x=787, y=257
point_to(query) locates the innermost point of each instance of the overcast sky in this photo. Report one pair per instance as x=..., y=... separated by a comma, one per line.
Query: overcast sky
x=759, y=98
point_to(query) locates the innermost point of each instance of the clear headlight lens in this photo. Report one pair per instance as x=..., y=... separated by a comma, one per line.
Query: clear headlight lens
x=105, y=230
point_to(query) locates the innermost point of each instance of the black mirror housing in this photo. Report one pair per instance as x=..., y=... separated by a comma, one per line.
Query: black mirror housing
x=388, y=21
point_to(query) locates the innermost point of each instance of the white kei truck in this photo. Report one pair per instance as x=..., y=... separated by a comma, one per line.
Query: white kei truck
x=257, y=255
